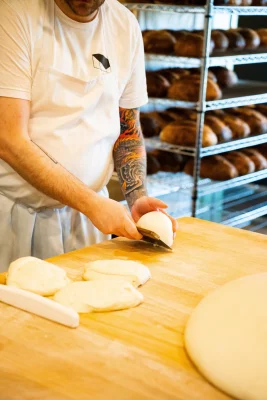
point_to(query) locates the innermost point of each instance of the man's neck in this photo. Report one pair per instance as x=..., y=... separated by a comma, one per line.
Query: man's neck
x=67, y=11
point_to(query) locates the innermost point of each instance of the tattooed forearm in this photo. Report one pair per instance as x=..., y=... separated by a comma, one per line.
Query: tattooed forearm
x=130, y=156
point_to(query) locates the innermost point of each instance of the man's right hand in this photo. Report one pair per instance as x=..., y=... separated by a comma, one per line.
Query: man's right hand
x=111, y=217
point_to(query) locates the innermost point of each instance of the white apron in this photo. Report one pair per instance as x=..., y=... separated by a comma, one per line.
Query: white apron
x=30, y=222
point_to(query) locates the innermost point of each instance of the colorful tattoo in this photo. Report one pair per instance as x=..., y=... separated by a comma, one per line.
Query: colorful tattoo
x=130, y=156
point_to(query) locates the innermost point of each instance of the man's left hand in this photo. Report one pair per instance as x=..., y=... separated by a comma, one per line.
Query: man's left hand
x=146, y=204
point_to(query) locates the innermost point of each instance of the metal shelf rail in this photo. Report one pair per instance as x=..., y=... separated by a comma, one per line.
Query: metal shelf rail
x=198, y=10
x=214, y=61
x=156, y=143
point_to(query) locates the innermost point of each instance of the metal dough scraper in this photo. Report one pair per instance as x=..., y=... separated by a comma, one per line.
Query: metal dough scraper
x=152, y=237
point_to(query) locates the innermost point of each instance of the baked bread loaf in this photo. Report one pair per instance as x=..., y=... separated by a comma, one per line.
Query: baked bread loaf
x=256, y=121
x=191, y=45
x=262, y=149
x=240, y=129
x=173, y=74
x=213, y=167
x=157, y=85
x=220, y=40
x=261, y=108
x=159, y=42
x=153, y=166
x=263, y=35
x=222, y=131
x=187, y=89
x=184, y=134
x=225, y=77
x=259, y=2
x=251, y=37
x=236, y=40
x=169, y=162
x=150, y=125
x=258, y=159
x=241, y=162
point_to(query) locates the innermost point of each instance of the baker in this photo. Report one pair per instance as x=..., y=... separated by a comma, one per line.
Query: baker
x=72, y=78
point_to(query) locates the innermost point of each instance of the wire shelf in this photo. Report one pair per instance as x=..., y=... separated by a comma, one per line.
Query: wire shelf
x=165, y=8
x=216, y=186
x=241, y=10
x=198, y=10
x=242, y=94
x=214, y=61
x=156, y=143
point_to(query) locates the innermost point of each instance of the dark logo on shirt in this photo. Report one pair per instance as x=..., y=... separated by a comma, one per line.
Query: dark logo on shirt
x=101, y=62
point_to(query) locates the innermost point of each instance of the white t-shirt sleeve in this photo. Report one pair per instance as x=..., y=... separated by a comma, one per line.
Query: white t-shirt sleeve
x=15, y=59
x=135, y=91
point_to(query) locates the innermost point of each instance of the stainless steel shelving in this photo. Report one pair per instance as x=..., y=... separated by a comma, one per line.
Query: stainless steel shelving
x=214, y=61
x=194, y=191
x=156, y=143
x=216, y=186
x=198, y=10
x=165, y=8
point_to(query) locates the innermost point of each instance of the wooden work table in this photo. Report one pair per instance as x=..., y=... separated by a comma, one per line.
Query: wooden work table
x=135, y=354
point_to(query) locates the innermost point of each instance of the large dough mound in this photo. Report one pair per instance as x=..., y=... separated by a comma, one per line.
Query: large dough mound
x=37, y=276
x=226, y=337
x=159, y=223
x=135, y=273
x=97, y=296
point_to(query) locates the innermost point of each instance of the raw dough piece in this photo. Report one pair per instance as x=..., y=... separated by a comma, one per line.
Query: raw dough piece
x=226, y=337
x=97, y=296
x=159, y=223
x=36, y=276
x=135, y=273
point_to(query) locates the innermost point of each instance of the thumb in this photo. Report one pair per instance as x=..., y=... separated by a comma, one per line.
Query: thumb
x=131, y=229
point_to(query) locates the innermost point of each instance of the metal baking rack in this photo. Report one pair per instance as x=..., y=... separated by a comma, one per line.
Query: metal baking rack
x=242, y=94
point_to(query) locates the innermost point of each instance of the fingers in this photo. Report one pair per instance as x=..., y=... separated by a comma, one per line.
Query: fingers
x=131, y=230
x=173, y=220
x=156, y=203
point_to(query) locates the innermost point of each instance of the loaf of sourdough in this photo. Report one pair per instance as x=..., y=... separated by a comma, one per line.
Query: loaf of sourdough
x=152, y=123
x=225, y=77
x=213, y=167
x=169, y=162
x=251, y=37
x=157, y=85
x=242, y=163
x=153, y=165
x=236, y=40
x=240, y=129
x=262, y=32
x=220, y=40
x=256, y=121
x=191, y=45
x=222, y=131
x=258, y=159
x=187, y=89
x=184, y=134
x=159, y=42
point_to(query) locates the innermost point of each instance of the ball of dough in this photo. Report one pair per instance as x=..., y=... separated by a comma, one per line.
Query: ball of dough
x=159, y=223
x=130, y=271
x=99, y=296
x=36, y=276
x=226, y=337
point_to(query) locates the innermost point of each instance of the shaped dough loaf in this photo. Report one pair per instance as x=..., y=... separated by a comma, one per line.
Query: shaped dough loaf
x=99, y=296
x=226, y=337
x=135, y=273
x=36, y=276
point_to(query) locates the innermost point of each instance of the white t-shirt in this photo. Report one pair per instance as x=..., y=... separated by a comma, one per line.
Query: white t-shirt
x=21, y=32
